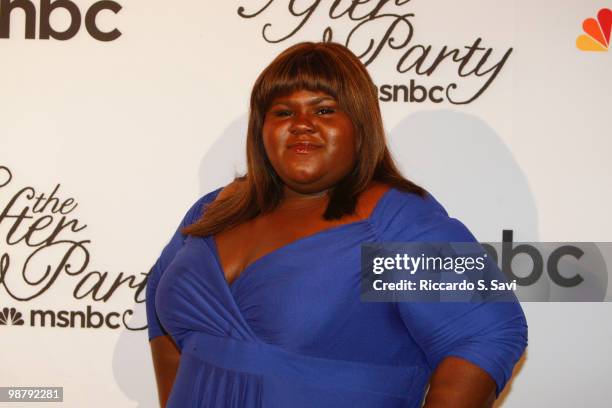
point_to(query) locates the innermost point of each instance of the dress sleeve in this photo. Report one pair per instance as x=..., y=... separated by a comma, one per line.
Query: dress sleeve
x=176, y=242
x=489, y=334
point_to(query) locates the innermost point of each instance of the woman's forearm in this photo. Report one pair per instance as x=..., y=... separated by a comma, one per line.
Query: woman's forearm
x=166, y=357
x=457, y=383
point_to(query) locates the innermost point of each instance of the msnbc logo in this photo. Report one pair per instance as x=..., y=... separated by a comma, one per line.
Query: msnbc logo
x=597, y=37
x=10, y=316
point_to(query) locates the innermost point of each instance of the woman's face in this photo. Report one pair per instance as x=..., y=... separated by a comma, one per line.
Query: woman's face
x=309, y=140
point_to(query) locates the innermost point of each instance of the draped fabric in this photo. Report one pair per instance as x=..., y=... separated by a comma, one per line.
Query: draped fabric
x=291, y=330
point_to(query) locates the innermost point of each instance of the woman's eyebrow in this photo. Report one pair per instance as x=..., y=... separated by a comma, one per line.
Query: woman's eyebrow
x=319, y=99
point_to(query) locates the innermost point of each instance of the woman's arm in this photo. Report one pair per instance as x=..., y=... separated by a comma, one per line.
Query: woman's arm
x=164, y=351
x=166, y=358
x=457, y=383
x=472, y=347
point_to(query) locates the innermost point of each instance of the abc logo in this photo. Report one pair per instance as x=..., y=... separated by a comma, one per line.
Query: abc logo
x=547, y=271
x=9, y=8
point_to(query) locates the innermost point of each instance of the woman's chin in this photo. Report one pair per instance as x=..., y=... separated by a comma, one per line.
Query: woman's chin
x=303, y=176
x=307, y=185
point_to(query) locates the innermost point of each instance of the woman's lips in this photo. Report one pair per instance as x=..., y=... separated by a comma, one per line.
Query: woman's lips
x=304, y=147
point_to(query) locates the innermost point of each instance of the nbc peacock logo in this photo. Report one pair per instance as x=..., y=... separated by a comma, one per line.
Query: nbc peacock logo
x=10, y=316
x=597, y=32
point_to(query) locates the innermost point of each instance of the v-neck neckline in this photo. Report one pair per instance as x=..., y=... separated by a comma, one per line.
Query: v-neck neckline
x=251, y=265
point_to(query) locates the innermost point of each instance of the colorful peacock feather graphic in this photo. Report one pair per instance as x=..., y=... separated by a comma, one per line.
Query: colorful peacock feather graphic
x=597, y=37
x=10, y=316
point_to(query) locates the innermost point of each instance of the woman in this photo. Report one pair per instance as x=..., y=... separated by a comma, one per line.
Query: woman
x=258, y=290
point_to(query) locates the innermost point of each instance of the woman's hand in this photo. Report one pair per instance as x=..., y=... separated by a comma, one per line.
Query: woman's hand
x=457, y=383
x=166, y=358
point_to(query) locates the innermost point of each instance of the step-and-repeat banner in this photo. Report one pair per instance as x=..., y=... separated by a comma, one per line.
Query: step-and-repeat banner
x=117, y=115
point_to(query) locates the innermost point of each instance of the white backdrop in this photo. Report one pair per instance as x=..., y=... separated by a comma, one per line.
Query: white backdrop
x=135, y=129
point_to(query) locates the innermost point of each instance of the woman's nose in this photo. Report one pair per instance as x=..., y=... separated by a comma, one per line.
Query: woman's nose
x=302, y=123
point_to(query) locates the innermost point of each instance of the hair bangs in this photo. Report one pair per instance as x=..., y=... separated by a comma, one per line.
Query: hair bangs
x=313, y=71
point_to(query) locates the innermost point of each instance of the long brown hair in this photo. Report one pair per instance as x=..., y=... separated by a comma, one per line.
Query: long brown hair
x=335, y=70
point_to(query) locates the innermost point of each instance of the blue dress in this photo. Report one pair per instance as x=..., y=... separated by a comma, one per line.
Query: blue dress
x=291, y=331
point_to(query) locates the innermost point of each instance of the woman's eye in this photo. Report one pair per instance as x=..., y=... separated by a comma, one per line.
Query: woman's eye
x=325, y=111
x=282, y=113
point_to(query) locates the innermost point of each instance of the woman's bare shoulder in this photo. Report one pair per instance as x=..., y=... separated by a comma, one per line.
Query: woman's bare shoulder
x=369, y=198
